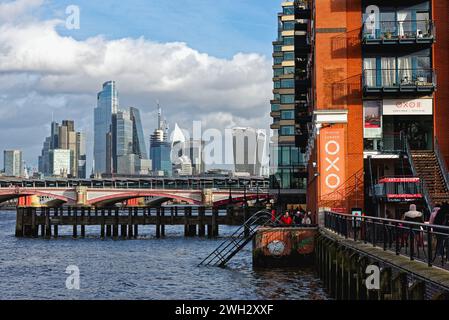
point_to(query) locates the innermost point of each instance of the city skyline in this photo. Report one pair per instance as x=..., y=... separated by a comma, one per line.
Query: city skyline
x=231, y=86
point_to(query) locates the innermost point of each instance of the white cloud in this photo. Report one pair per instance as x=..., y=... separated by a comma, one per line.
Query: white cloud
x=42, y=72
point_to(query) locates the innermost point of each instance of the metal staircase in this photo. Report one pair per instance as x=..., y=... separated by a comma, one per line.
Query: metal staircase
x=238, y=240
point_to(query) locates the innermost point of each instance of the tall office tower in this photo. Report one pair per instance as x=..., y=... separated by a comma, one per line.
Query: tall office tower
x=378, y=138
x=160, y=149
x=194, y=150
x=43, y=161
x=139, y=145
x=64, y=137
x=290, y=104
x=13, y=166
x=249, y=147
x=107, y=105
x=82, y=157
x=60, y=162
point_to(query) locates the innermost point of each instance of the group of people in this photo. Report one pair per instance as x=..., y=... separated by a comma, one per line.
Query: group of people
x=438, y=217
x=298, y=217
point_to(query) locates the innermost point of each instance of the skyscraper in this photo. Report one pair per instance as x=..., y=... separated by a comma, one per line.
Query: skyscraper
x=107, y=105
x=249, y=149
x=160, y=149
x=64, y=137
x=13, y=165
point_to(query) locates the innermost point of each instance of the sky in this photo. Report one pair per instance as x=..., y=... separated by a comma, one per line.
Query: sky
x=204, y=60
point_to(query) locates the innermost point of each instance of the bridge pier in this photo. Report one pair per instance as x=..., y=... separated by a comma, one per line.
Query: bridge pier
x=130, y=223
x=158, y=223
x=115, y=227
x=83, y=222
x=201, y=226
x=108, y=226
x=162, y=225
x=47, y=224
x=19, y=222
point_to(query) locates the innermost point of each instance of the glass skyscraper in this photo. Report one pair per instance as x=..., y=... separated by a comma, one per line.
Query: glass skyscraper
x=107, y=105
x=160, y=149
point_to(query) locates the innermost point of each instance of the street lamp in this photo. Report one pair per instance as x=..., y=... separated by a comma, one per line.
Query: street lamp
x=278, y=179
x=230, y=191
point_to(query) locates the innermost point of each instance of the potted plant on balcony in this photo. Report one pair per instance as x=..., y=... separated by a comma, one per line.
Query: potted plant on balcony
x=388, y=35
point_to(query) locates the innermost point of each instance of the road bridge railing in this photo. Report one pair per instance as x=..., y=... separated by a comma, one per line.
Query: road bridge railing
x=420, y=241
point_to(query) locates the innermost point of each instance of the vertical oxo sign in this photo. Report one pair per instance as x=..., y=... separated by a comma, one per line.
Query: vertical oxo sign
x=333, y=164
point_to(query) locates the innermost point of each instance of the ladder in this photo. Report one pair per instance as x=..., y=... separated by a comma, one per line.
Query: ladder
x=238, y=240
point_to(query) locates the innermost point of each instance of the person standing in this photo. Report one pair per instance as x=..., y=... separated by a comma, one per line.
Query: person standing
x=286, y=219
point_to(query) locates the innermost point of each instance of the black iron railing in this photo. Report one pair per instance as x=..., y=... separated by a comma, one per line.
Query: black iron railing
x=425, y=242
x=398, y=77
x=398, y=30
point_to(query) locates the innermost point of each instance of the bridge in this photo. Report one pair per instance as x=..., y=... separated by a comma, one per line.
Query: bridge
x=205, y=191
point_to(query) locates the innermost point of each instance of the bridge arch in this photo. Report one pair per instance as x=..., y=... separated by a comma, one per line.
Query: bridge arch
x=123, y=196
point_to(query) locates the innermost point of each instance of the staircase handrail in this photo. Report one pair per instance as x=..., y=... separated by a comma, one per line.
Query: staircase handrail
x=425, y=189
x=260, y=218
x=442, y=163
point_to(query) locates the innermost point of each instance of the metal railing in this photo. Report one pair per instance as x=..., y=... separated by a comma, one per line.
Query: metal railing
x=389, y=143
x=418, y=241
x=441, y=162
x=425, y=189
x=397, y=78
x=397, y=187
x=399, y=30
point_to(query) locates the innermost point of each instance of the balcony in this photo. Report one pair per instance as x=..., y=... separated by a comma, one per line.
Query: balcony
x=384, y=81
x=398, y=32
x=399, y=189
x=390, y=143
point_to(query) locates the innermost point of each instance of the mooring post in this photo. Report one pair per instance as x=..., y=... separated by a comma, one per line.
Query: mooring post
x=102, y=223
x=158, y=222
x=215, y=222
x=55, y=225
x=34, y=226
x=123, y=231
x=201, y=227
x=83, y=222
x=47, y=224
x=42, y=218
x=136, y=224
x=115, y=228
x=19, y=221
x=108, y=225
x=162, y=218
x=75, y=223
x=192, y=227
x=130, y=223
x=186, y=222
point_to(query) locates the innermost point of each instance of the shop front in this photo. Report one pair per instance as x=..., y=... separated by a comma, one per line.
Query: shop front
x=401, y=119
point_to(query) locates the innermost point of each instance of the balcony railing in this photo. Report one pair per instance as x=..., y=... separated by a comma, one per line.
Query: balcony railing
x=399, y=80
x=390, y=143
x=396, y=32
x=399, y=189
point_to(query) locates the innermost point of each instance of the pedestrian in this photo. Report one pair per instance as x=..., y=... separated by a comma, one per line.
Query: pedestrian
x=413, y=215
x=297, y=218
x=434, y=213
x=441, y=219
x=307, y=220
x=286, y=219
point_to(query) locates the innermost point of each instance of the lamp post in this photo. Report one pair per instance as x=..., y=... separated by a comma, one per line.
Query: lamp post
x=230, y=191
x=278, y=179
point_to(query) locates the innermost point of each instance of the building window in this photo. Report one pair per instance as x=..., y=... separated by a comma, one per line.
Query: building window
x=289, y=41
x=289, y=25
x=289, y=10
x=278, y=72
x=275, y=107
x=287, y=115
x=287, y=130
x=278, y=60
x=287, y=83
x=277, y=97
x=287, y=98
x=289, y=55
x=289, y=70
x=277, y=84
x=277, y=48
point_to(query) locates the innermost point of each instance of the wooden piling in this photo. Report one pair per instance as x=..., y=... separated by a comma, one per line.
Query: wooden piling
x=201, y=226
x=136, y=226
x=115, y=227
x=19, y=221
x=214, y=222
x=162, y=224
x=158, y=223
x=108, y=225
x=83, y=222
x=42, y=216
x=123, y=231
x=56, y=223
x=130, y=223
x=47, y=224
x=75, y=223
x=102, y=226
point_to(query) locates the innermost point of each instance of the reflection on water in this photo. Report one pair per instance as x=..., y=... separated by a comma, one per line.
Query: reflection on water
x=146, y=268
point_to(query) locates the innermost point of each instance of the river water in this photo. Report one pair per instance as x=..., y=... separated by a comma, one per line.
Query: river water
x=145, y=268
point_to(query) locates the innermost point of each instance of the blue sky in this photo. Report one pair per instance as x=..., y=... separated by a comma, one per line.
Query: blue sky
x=220, y=28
